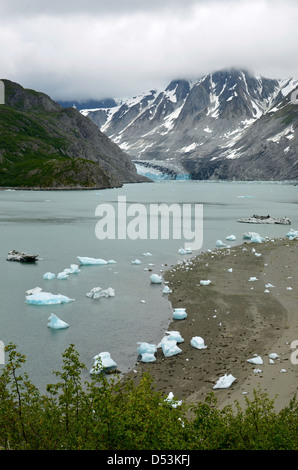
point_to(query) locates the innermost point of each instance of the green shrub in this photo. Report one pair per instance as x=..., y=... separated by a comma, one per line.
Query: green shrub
x=107, y=413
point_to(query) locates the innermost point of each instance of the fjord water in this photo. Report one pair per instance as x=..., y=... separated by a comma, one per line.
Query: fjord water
x=60, y=225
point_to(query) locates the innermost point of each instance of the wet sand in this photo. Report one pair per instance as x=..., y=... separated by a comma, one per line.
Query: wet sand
x=238, y=320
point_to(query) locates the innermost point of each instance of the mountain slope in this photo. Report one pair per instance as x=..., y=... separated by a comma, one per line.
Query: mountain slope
x=215, y=127
x=43, y=145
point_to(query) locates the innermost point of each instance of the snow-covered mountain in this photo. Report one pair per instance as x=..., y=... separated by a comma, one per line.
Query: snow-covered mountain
x=226, y=125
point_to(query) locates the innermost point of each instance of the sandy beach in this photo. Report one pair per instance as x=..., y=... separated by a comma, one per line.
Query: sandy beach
x=238, y=319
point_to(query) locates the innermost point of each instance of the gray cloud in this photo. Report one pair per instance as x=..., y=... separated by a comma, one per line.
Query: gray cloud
x=94, y=49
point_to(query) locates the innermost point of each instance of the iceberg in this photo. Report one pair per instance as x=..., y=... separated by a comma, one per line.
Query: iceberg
x=136, y=261
x=46, y=298
x=185, y=251
x=56, y=323
x=257, y=239
x=85, y=260
x=103, y=363
x=225, y=381
x=255, y=360
x=292, y=234
x=171, y=401
x=205, y=282
x=171, y=336
x=250, y=235
x=220, y=244
x=35, y=290
x=98, y=292
x=49, y=276
x=146, y=348
x=74, y=269
x=179, y=314
x=231, y=238
x=166, y=290
x=170, y=348
x=155, y=279
x=62, y=275
x=147, y=357
x=198, y=342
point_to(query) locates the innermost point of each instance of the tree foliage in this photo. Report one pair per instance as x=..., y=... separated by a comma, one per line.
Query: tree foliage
x=111, y=414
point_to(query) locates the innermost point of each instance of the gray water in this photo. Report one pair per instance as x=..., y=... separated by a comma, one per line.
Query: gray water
x=60, y=225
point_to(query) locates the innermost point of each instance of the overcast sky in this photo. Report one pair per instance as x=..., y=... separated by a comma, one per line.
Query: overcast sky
x=75, y=49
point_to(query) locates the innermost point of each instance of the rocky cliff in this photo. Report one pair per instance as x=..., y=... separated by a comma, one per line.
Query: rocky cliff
x=44, y=145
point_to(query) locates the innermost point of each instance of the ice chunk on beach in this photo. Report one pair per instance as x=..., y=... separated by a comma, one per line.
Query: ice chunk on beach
x=225, y=381
x=147, y=357
x=103, y=363
x=85, y=260
x=205, y=282
x=171, y=401
x=185, y=251
x=155, y=279
x=146, y=348
x=179, y=314
x=292, y=234
x=170, y=348
x=98, y=292
x=257, y=239
x=250, y=235
x=220, y=244
x=252, y=279
x=174, y=335
x=198, y=342
x=47, y=298
x=255, y=360
x=56, y=323
x=166, y=290
x=49, y=276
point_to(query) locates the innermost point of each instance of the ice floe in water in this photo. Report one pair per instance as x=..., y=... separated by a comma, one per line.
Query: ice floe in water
x=231, y=238
x=136, y=261
x=225, y=381
x=155, y=279
x=166, y=290
x=220, y=244
x=98, y=292
x=35, y=290
x=49, y=276
x=47, y=298
x=56, y=323
x=62, y=275
x=85, y=260
x=185, y=251
x=103, y=363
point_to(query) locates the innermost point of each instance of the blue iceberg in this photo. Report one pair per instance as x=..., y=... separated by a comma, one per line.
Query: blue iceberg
x=49, y=276
x=46, y=298
x=85, y=260
x=103, y=363
x=56, y=323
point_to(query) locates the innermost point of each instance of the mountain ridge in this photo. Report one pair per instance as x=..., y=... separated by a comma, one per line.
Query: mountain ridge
x=222, y=125
x=45, y=146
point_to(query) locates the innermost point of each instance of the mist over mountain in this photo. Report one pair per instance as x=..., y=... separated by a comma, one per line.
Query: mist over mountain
x=230, y=124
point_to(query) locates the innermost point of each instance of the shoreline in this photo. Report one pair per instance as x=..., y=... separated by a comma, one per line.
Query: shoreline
x=237, y=319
